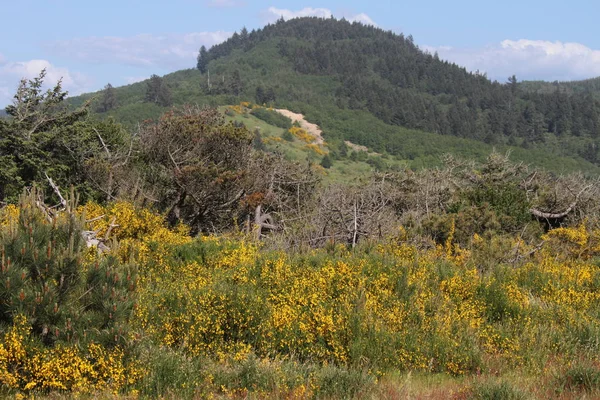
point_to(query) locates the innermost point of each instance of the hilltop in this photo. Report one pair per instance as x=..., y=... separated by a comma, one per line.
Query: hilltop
x=378, y=89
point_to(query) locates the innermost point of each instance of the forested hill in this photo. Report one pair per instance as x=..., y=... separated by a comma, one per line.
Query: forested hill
x=378, y=89
x=586, y=86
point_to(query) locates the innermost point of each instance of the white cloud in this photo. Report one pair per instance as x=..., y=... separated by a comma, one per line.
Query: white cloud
x=135, y=79
x=272, y=14
x=12, y=72
x=527, y=59
x=276, y=13
x=363, y=18
x=171, y=51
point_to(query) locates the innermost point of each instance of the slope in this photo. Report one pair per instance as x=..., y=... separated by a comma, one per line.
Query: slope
x=379, y=90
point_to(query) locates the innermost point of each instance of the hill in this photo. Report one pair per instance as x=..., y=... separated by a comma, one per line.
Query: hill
x=378, y=89
x=582, y=87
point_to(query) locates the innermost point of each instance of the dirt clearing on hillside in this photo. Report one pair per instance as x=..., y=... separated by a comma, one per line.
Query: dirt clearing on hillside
x=312, y=129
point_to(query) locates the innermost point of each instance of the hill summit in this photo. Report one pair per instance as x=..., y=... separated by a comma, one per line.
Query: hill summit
x=378, y=89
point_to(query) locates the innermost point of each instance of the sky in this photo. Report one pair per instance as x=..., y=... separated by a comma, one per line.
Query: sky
x=89, y=44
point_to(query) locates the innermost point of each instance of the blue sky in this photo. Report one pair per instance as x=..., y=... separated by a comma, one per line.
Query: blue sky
x=89, y=44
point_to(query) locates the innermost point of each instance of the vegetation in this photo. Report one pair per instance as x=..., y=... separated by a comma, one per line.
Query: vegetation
x=193, y=257
x=304, y=65
x=272, y=117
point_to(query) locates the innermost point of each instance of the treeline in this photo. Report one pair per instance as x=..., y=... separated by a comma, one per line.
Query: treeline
x=213, y=176
x=388, y=75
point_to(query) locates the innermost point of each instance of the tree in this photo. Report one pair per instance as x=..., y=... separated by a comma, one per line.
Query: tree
x=158, y=92
x=48, y=282
x=43, y=138
x=260, y=95
x=257, y=142
x=236, y=85
x=196, y=166
x=108, y=100
x=326, y=162
x=202, y=60
x=244, y=34
x=513, y=84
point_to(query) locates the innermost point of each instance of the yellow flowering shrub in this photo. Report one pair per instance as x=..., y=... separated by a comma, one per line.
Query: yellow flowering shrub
x=26, y=366
x=385, y=307
x=316, y=149
x=302, y=134
x=135, y=229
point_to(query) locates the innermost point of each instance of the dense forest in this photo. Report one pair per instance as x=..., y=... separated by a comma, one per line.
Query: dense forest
x=388, y=75
x=376, y=89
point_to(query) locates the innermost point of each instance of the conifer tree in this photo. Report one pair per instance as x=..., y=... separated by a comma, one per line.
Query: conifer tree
x=108, y=100
x=158, y=92
x=203, y=60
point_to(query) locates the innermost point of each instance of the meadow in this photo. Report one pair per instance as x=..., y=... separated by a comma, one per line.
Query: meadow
x=225, y=317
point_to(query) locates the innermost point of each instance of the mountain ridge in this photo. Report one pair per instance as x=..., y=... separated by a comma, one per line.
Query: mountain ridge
x=375, y=88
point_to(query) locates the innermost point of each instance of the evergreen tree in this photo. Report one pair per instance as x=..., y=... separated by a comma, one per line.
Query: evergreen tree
x=326, y=162
x=236, y=85
x=43, y=137
x=158, y=92
x=202, y=60
x=108, y=100
x=260, y=95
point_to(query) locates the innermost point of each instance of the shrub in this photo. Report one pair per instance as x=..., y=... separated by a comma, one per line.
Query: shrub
x=579, y=377
x=48, y=276
x=272, y=118
x=497, y=391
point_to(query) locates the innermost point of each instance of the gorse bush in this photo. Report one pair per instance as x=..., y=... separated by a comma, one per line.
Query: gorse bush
x=221, y=315
x=61, y=306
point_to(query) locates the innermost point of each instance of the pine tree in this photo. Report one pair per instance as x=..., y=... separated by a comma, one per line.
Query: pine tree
x=202, y=60
x=108, y=100
x=43, y=277
x=236, y=85
x=326, y=162
x=158, y=92
x=260, y=96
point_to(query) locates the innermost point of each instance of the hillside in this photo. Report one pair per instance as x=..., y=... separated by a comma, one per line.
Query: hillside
x=378, y=89
x=585, y=87
x=288, y=243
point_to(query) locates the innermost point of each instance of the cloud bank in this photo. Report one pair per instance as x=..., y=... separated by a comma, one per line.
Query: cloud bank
x=12, y=72
x=272, y=14
x=527, y=59
x=171, y=51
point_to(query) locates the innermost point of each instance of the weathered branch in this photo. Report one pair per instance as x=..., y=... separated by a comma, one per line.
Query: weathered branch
x=63, y=202
x=549, y=215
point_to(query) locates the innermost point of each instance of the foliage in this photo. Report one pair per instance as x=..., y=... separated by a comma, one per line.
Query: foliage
x=272, y=117
x=108, y=101
x=326, y=162
x=37, y=140
x=220, y=315
x=64, y=313
x=158, y=92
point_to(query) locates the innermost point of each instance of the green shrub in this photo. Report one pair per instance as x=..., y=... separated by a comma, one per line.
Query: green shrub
x=334, y=382
x=581, y=377
x=287, y=135
x=272, y=117
x=44, y=276
x=496, y=391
